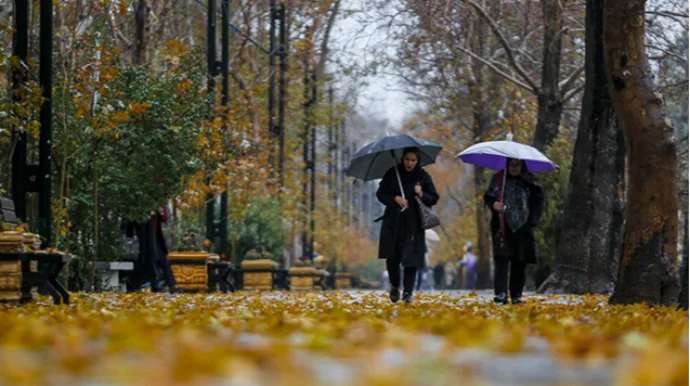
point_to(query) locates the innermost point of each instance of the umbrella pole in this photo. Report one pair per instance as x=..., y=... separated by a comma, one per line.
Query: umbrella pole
x=503, y=189
x=397, y=174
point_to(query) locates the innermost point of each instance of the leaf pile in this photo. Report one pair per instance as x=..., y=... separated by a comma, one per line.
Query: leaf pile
x=339, y=338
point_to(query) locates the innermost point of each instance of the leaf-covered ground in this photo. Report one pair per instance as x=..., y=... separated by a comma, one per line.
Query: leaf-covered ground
x=339, y=338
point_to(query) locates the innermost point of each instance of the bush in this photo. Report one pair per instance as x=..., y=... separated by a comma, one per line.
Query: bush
x=260, y=229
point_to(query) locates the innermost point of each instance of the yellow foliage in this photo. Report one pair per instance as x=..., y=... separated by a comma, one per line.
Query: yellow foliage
x=248, y=338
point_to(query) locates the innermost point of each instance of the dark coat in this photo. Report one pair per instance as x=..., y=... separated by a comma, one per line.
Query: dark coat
x=521, y=245
x=403, y=230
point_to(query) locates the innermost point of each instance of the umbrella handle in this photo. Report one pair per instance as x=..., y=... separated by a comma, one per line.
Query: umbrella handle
x=397, y=174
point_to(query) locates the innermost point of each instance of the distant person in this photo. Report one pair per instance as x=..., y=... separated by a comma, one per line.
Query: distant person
x=439, y=273
x=470, y=263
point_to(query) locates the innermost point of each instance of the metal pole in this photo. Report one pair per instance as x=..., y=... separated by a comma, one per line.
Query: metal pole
x=271, y=67
x=21, y=51
x=312, y=103
x=305, y=157
x=225, y=56
x=330, y=141
x=211, y=84
x=45, y=145
x=282, y=94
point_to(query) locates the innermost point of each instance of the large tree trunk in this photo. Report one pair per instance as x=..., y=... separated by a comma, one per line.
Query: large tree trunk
x=648, y=270
x=685, y=293
x=590, y=224
x=481, y=126
x=549, y=98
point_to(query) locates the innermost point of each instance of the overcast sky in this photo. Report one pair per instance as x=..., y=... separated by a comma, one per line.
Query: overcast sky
x=353, y=43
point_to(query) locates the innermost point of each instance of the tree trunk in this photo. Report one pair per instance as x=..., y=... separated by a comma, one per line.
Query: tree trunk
x=549, y=98
x=685, y=293
x=480, y=124
x=683, y=297
x=648, y=270
x=141, y=20
x=590, y=224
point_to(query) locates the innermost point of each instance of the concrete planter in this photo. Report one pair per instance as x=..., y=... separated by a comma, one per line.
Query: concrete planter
x=258, y=274
x=343, y=280
x=189, y=269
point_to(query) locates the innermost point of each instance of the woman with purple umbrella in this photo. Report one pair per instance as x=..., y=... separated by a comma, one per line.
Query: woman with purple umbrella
x=516, y=200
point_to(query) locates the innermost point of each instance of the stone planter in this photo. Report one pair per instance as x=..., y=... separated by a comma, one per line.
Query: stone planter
x=302, y=278
x=189, y=269
x=343, y=280
x=11, y=271
x=258, y=274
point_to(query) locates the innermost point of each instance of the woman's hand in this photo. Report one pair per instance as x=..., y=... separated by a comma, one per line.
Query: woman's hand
x=499, y=206
x=401, y=201
x=418, y=190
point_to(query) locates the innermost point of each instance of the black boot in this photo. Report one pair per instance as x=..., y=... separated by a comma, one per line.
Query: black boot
x=501, y=299
x=516, y=300
x=407, y=296
x=395, y=294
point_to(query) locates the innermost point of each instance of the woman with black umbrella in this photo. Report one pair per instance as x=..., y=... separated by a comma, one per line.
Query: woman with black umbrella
x=402, y=239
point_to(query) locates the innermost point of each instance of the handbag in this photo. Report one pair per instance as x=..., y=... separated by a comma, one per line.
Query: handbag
x=428, y=215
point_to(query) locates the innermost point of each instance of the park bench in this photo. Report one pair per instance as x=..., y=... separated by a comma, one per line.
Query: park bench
x=21, y=271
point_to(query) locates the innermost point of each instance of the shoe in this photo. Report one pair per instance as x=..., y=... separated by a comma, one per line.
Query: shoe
x=501, y=298
x=395, y=295
x=407, y=297
x=517, y=300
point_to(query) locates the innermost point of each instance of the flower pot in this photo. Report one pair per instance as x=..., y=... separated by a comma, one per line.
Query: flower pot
x=189, y=269
x=302, y=278
x=343, y=280
x=11, y=242
x=258, y=274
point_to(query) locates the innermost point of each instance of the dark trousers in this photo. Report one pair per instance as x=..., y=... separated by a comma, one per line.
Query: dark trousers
x=517, y=276
x=393, y=266
x=161, y=269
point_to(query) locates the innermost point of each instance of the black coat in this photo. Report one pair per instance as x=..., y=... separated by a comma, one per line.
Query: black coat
x=521, y=246
x=404, y=229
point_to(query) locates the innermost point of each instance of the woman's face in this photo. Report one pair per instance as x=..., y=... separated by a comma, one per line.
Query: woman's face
x=514, y=167
x=410, y=161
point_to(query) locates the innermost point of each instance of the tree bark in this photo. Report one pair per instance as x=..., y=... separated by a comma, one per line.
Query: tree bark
x=683, y=297
x=590, y=225
x=550, y=105
x=141, y=21
x=648, y=270
x=480, y=124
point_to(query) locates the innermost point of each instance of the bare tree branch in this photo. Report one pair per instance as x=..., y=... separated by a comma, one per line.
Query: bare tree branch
x=499, y=72
x=504, y=42
x=566, y=84
x=573, y=93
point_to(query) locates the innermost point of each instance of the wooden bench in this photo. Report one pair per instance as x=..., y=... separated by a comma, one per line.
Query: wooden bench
x=23, y=271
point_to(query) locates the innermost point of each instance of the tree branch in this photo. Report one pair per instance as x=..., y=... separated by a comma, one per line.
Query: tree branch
x=572, y=93
x=504, y=42
x=527, y=87
x=566, y=84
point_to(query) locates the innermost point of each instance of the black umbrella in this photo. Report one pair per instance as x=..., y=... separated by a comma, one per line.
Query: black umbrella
x=373, y=160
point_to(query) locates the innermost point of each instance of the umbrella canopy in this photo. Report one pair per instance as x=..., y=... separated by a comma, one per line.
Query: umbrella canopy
x=494, y=155
x=373, y=160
